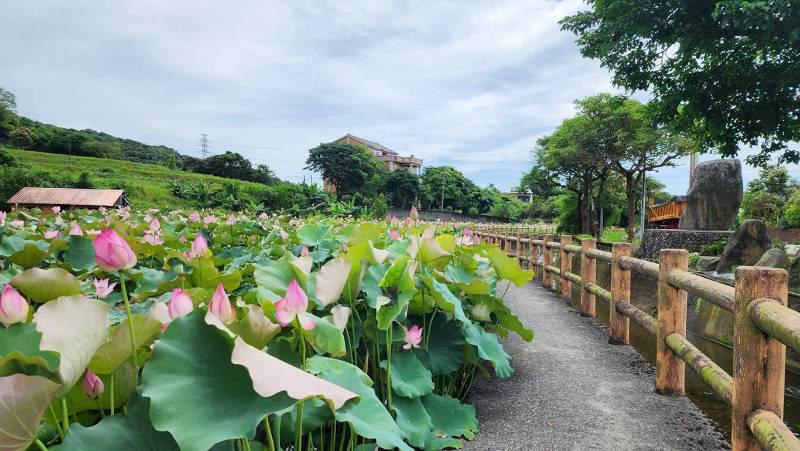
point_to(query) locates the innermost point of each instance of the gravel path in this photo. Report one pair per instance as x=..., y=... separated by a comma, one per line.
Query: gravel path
x=571, y=390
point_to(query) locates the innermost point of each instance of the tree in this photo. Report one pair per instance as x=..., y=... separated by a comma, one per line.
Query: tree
x=349, y=167
x=725, y=71
x=101, y=149
x=8, y=103
x=402, y=187
x=444, y=187
x=769, y=196
x=263, y=174
x=21, y=137
x=629, y=141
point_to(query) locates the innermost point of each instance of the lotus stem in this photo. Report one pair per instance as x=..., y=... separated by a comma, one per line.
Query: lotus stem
x=389, y=367
x=56, y=422
x=64, y=414
x=111, y=392
x=100, y=408
x=430, y=326
x=298, y=439
x=40, y=445
x=130, y=321
x=268, y=431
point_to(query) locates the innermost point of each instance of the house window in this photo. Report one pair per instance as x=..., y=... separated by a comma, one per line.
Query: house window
x=378, y=153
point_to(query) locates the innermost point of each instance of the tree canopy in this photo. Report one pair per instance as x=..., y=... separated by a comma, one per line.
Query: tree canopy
x=725, y=71
x=402, y=188
x=350, y=168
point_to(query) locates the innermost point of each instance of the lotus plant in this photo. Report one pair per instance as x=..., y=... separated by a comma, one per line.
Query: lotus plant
x=412, y=337
x=103, y=288
x=180, y=304
x=13, y=308
x=293, y=306
x=221, y=306
x=92, y=385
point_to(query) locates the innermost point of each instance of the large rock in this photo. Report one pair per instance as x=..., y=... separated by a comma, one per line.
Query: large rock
x=713, y=199
x=794, y=273
x=746, y=246
x=773, y=258
x=707, y=263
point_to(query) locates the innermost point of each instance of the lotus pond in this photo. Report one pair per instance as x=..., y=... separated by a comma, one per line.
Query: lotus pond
x=156, y=330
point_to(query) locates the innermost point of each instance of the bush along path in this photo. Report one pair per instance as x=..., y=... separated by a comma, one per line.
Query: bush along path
x=571, y=390
x=192, y=331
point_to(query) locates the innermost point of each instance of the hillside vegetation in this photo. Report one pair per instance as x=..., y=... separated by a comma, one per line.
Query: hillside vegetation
x=145, y=185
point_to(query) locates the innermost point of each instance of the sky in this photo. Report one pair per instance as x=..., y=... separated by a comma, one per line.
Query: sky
x=466, y=84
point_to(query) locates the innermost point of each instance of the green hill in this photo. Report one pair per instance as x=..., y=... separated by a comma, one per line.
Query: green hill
x=147, y=185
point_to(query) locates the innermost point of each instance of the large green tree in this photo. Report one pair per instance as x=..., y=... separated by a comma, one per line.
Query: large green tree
x=350, y=168
x=444, y=187
x=769, y=196
x=402, y=188
x=726, y=71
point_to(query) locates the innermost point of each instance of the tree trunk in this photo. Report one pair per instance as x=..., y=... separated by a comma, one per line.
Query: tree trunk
x=586, y=214
x=630, y=198
x=597, y=204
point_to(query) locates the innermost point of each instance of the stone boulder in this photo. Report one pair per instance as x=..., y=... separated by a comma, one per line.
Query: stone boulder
x=773, y=258
x=714, y=196
x=707, y=263
x=794, y=273
x=746, y=246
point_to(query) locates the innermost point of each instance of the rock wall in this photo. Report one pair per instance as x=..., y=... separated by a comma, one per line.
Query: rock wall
x=692, y=240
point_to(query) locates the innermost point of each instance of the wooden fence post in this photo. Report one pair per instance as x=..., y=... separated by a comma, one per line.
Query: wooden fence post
x=670, y=369
x=588, y=275
x=759, y=362
x=547, y=277
x=619, y=324
x=533, y=256
x=566, y=266
x=519, y=247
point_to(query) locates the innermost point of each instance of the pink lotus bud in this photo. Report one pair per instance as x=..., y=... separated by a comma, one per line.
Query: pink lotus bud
x=124, y=214
x=413, y=337
x=210, y=219
x=112, y=252
x=304, y=251
x=102, y=288
x=56, y=210
x=343, y=247
x=50, y=234
x=394, y=234
x=194, y=217
x=231, y=219
x=93, y=387
x=13, y=308
x=263, y=216
x=292, y=306
x=17, y=223
x=467, y=231
x=154, y=225
x=199, y=246
x=2, y=218
x=221, y=306
x=182, y=239
x=180, y=304
x=413, y=214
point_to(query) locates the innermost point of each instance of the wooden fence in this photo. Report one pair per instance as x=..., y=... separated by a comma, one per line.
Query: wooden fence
x=764, y=324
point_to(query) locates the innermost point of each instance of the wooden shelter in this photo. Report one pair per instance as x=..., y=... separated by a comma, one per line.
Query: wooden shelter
x=67, y=198
x=667, y=215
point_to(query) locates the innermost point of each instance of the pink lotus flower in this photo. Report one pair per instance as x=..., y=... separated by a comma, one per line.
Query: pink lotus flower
x=17, y=224
x=304, y=251
x=413, y=337
x=153, y=238
x=180, y=304
x=56, y=210
x=263, y=216
x=112, y=252
x=210, y=219
x=182, y=239
x=467, y=231
x=2, y=218
x=221, y=306
x=76, y=230
x=102, y=288
x=292, y=306
x=199, y=247
x=194, y=217
x=92, y=386
x=124, y=214
x=50, y=234
x=13, y=308
x=231, y=220
x=394, y=234
x=413, y=214
x=154, y=226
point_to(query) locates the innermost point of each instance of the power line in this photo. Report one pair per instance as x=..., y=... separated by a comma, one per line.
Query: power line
x=204, y=152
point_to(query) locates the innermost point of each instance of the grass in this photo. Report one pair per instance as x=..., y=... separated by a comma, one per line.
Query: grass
x=612, y=235
x=145, y=185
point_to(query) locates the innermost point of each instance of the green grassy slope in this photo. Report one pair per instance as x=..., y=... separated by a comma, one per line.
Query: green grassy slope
x=145, y=185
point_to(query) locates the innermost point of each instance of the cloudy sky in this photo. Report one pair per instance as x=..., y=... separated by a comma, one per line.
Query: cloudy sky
x=467, y=84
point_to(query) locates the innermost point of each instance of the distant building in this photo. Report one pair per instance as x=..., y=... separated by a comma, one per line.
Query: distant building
x=523, y=196
x=67, y=198
x=392, y=161
x=666, y=215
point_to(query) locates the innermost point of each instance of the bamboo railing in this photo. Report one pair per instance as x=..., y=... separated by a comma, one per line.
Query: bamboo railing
x=763, y=323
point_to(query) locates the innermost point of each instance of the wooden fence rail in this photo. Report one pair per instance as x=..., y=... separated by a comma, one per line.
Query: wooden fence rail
x=764, y=324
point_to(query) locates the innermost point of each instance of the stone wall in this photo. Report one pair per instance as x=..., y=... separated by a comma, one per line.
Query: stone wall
x=433, y=215
x=692, y=240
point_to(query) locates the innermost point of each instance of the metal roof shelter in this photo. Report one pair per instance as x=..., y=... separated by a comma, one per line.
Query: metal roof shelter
x=67, y=197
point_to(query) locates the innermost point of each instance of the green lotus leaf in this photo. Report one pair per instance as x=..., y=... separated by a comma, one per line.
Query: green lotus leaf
x=26, y=253
x=412, y=419
x=367, y=231
x=313, y=234
x=430, y=251
x=302, y=267
x=42, y=285
x=331, y=280
x=255, y=328
x=445, y=353
x=196, y=393
x=80, y=253
x=206, y=275
x=450, y=417
x=410, y=378
x=75, y=327
x=20, y=353
x=274, y=277
x=508, y=267
x=153, y=282
x=368, y=417
x=326, y=338
x=123, y=431
x=114, y=353
x=371, y=282
x=489, y=348
x=23, y=400
x=446, y=242
x=125, y=382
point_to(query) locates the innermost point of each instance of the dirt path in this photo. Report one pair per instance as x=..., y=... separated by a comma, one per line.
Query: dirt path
x=571, y=390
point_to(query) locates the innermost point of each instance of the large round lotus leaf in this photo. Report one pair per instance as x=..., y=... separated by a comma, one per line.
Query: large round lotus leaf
x=450, y=417
x=508, y=268
x=326, y=338
x=42, y=285
x=409, y=377
x=131, y=431
x=20, y=353
x=412, y=419
x=23, y=400
x=113, y=353
x=368, y=417
x=196, y=393
x=80, y=253
x=489, y=348
x=313, y=234
x=445, y=353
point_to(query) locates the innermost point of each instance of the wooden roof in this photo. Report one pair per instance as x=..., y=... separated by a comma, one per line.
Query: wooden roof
x=66, y=196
